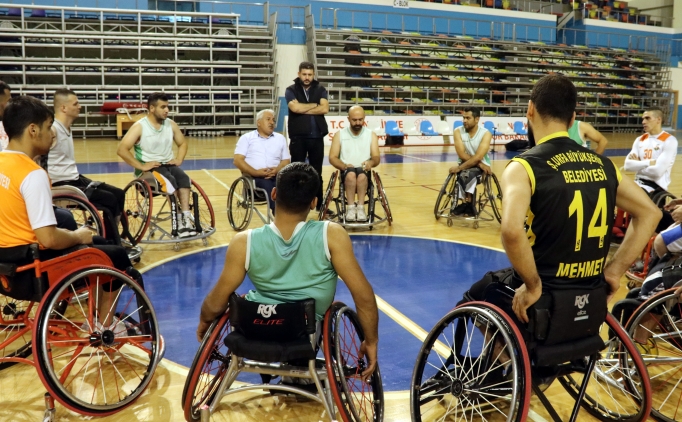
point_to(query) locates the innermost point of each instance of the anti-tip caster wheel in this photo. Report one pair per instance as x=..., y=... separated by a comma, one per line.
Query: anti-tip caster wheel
x=449, y=222
x=176, y=247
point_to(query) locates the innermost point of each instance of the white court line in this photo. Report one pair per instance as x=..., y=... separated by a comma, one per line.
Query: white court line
x=416, y=158
x=216, y=179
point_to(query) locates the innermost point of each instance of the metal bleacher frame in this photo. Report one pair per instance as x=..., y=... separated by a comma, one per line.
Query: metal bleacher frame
x=218, y=72
x=393, y=72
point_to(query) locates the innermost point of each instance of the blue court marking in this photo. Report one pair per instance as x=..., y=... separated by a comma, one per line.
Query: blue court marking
x=421, y=278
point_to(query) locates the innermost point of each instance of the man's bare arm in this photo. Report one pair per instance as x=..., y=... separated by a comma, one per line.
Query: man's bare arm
x=181, y=142
x=594, y=135
x=230, y=279
x=349, y=271
x=481, y=151
x=52, y=237
x=335, y=152
x=374, y=151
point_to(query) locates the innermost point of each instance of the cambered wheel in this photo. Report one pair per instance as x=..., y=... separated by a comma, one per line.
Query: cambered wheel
x=356, y=399
x=473, y=365
x=240, y=204
x=97, y=354
x=382, y=197
x=137, y=211
x=85, y=214
x=328, y=196
x=208, y=369
x=202, y=210
x=445, y=197
x=618, y=388
x=662, y=199
x=493, y=186
x=656, y=328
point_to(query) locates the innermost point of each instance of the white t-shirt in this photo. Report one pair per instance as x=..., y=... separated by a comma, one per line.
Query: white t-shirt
x=61, y=160
x=663, y=149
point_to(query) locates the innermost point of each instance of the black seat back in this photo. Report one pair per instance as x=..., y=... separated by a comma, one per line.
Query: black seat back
x=20, y=285
x=278, y=323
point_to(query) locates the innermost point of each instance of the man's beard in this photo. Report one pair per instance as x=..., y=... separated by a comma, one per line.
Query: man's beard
x=356, y=128
x=531, y=137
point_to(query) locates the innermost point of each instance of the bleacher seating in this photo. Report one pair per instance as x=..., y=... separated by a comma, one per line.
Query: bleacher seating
x=390, y=72
x=217, y=72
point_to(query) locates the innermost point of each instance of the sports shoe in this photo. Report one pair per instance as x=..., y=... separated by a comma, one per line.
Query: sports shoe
x=361, y=216
x=470, y=210
x=460, y=209
x=186, y=227
x=351, y=213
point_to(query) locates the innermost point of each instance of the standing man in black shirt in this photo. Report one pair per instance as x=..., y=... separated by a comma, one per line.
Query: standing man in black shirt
x=558, y=206
x=307, y=127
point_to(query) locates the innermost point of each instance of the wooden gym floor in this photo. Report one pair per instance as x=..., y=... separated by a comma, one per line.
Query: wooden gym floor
x=412, y=177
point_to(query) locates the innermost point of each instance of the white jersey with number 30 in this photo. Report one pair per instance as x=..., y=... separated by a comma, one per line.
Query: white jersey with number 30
x=662, y=149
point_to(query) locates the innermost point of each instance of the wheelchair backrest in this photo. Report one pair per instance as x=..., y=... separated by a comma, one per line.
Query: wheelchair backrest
x=280, y=323
x=21, y=285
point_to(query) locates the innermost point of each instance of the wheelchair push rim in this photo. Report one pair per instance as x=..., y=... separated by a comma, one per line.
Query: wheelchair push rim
x=84, y=213
x=328, y=196
x=444, y=202
x=90, y=368
x=137, y=212
x=458, y=368
x=240, y=204
x=355, y=399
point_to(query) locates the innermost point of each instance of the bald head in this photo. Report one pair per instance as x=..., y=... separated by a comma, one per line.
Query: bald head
x=356, y=118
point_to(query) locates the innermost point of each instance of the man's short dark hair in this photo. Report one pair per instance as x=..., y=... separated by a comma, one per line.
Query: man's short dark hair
x=555, y=98
x=297, y=186
x=62, y=93
x=306, y=65
x=4, y=87
x=155, y=97
x=657, y=111
x=475, y=112
x=23, y=111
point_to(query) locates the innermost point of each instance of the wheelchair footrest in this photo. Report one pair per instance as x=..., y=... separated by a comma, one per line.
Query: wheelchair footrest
x=565, y=352
x=267, y=351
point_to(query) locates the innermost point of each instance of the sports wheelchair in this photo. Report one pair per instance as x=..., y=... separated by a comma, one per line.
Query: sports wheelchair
x=91, y=329
x=374, y=213
x=487, y=204
x=242, y=200
x=87, y=215
x=479, y=363
x=248, y=339
x=137, y=212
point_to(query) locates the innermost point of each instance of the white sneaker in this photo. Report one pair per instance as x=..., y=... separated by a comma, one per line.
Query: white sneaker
x=182, y=230
x=361, y=213
x=189, y=225
x=350, y=213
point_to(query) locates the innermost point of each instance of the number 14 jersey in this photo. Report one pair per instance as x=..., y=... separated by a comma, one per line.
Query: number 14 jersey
x=571, y=209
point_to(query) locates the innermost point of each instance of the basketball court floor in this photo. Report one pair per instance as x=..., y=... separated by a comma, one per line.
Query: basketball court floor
x=419, y=268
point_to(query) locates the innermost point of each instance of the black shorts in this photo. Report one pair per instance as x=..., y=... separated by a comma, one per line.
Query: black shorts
x=175, y=175
x=356, y=170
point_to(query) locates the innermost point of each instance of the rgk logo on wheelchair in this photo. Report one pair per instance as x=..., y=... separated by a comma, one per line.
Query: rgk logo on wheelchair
x=266, y=311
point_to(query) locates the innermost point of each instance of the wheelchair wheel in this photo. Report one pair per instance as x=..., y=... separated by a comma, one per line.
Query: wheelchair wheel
x=15, y=321
x=356, y=399
x=96, y=351
x=382, y=197
x=493, y=187
x=662, y=199
x=240, y=204
x=618, y=388
x=137, y=211
x=459, y=374
x=328, y=196
x=202, y=210
x=208, y=369
x=444, y=202
x=85, y=214
x=656, y=328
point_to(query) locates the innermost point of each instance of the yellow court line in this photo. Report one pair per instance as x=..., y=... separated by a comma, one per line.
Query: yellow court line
x=216, y=179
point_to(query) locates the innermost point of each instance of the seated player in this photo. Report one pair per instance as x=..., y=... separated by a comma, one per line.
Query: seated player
x=583, y=132
x=653, y=154
x=152, y=138
x=472, y=143
x=60, y=164
x=556, y=223
x=262, y=153
x=293, y=259
x=355, y=151
x=27, y=215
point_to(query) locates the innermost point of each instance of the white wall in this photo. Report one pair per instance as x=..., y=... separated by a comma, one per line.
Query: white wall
x=288, y=57
x=648, y=4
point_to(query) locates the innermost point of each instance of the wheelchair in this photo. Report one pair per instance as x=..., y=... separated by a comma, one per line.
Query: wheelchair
x=461, y=371
x=374, y=213
x=86, y=215
x=94, y=352
x=142, y=226
x=242, y=200
x=241, y=340
x=487, y=204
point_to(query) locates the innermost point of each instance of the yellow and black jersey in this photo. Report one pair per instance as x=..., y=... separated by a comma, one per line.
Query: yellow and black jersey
x=571, y=209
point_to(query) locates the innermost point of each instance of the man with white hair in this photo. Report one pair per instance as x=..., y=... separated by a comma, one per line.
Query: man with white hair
x=262, y=153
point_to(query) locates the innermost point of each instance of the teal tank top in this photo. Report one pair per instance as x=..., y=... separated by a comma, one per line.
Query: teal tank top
x=471, y=143
x=574, y=133
x=287, y=271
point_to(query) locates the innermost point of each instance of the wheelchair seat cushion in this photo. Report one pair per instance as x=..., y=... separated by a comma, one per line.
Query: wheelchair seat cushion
x=560, y=353
x=282, y=322
x=270, y=351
